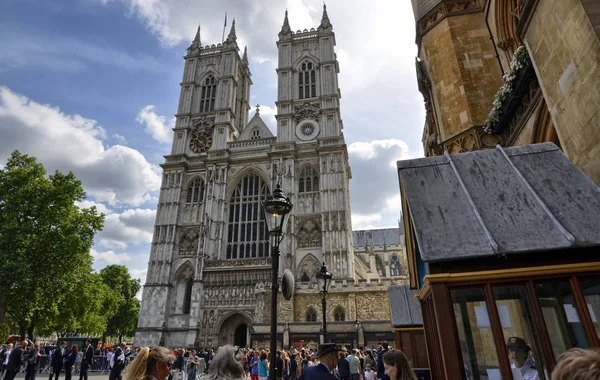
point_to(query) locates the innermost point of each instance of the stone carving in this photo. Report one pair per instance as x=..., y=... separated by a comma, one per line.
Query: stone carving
x=307, y=111
x=259, y=309
x=188, y=242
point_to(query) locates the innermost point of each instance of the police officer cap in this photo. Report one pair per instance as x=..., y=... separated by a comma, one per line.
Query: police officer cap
x=515, y=343
x=326, y=348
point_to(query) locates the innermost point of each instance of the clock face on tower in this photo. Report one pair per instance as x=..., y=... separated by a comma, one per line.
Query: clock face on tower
x=200, y=142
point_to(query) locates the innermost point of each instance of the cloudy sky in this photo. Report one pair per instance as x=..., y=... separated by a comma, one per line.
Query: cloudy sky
x=91, y=86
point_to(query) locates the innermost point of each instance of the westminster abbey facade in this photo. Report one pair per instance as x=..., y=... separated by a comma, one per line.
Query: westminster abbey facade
x=209, y=271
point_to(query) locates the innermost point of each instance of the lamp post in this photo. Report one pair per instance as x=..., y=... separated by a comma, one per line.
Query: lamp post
x=324, y=278
x=356, y=327
x=276, y=209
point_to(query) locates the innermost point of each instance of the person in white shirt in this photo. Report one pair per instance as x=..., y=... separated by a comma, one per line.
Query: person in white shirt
x=6, y=355
x=369, y=373
x=518, y=351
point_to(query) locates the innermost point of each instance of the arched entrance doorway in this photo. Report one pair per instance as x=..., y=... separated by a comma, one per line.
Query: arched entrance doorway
x=240, y=336
x=234, y=330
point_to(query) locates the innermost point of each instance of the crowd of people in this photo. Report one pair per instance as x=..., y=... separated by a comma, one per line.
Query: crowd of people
x=234, y=363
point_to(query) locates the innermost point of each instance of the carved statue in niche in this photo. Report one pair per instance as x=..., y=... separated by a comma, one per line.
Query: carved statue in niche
x=259, y=308
x=307, y=111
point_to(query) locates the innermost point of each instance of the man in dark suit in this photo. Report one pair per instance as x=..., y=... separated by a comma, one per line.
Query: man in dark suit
x=58, y=357
x=33, y=358
x=14, y=361
x=343, y=367
x=119, y=360
x=327, y=354
x=86, y=361
x=380, y=368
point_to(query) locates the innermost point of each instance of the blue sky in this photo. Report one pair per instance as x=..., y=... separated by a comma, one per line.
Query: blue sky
x=91, y=86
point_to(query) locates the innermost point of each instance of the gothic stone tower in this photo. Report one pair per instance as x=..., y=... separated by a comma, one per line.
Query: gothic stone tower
x=209, y=269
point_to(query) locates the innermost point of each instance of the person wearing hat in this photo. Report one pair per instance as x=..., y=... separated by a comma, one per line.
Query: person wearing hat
x=327, y=355
x=518, y=351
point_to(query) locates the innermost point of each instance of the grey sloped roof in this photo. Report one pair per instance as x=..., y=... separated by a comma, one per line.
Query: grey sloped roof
x=500, y=201
x=379, y=236
x=406, y=310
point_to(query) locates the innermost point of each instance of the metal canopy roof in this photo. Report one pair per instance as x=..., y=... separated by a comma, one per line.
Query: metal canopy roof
x=406, y=310
x=499, y=201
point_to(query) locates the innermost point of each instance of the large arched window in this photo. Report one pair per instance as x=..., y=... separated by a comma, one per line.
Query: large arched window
x=379, y=265
x=339, y=315
x=307, y=80
x=311, y=315
x=195, y=191
x=187, y=299
x=309, y=180
x=208, y=94
x=395, y=266
x=247, y=233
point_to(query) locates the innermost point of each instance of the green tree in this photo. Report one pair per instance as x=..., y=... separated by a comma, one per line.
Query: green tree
x=123, y=322
x=45, y=240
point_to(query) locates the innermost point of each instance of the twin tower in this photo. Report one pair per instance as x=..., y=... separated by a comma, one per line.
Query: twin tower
x=209, y=267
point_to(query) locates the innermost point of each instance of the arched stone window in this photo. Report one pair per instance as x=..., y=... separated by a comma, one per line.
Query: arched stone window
x=395, y=266
x=305, y=277
x=339, y=315
x=307, y=80
x=311, y=315
x=508, y=13
x=247, y=230
x=208, y=94
x=309, y=180
x=379, y=265
x=195, y=191
x=187, y=298
x=255, y=134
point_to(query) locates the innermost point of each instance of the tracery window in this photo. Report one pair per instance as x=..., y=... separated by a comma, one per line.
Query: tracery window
x=309, y=235
x=247, y=233
x=379, y=265
x=311, y=315
x=255, y=135
x=208, y=94
x=395, y=266
x=307, y=82
x=309, y=180
x=195, y=191
x=187, y=299
x=339, y=315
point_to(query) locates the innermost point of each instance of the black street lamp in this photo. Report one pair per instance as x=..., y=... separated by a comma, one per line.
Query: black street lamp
x=276, y=209
x=324, y=278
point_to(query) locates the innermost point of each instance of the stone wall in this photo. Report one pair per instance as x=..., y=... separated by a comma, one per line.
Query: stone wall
x=464, y=72
x=362, y=306
x=566, y=53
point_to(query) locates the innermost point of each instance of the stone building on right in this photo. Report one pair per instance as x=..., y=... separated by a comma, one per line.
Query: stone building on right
x=511, y=72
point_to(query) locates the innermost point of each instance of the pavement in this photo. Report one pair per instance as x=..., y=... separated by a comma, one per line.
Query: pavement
x=44, y=376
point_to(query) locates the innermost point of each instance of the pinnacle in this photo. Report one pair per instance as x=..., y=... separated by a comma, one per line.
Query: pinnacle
x=285, y=29
x=232, y=37
x=197, y=38
x=245, y=57
x=325, y=23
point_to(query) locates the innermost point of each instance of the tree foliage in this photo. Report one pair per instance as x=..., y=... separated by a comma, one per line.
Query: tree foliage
x=122, y=322
x=45, y=240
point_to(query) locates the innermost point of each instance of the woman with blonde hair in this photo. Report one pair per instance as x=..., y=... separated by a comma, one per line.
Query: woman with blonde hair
x=397, y=367
x=578, y=364
x=150, y=363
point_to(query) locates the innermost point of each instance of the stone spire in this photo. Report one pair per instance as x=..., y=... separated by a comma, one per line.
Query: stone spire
x=245, y=57
x=197, y=38
x=232, y=37
x=285, y=29
x=325, y=23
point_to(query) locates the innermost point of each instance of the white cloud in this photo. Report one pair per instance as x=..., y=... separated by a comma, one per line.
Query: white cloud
x=100, y=207
x=109, y=258
x=116, y=174
x=157, y=126
x=132, y=226
x=139, y=273
x=119, y=138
